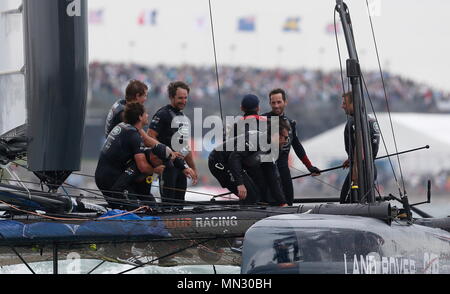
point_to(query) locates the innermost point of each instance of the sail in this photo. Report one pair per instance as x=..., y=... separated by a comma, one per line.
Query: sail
x=12, y=83
x=56, y=58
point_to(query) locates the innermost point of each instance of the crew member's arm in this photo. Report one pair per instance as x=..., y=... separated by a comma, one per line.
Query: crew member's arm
x=142, y=164
x=149, y=140
x=301, y=153
x=190, y=162
x=135, y=144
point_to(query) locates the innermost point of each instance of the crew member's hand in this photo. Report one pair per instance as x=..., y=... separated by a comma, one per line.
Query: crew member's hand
x=177, y=154
x=159, y=170
x=242, y=192
x=314, y=171
x=346, y=164
x=195, y=178
x=190, y=173
x=172, y=154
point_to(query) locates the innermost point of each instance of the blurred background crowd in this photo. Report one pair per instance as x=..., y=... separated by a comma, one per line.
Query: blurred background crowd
x=314, y=102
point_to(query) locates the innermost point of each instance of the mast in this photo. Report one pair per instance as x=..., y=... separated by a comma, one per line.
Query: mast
x=364, y=155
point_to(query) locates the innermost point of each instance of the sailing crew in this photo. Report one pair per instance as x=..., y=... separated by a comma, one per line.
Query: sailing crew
x=171, y=127
x=351, y=180
x=241, y=170
x=122, y=160
x=278, y=102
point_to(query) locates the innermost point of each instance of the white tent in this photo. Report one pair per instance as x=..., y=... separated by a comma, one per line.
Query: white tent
x=411, y=130
x=12, y=83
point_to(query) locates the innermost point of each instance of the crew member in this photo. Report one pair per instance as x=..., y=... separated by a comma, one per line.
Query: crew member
x=278, y=102
x=123, y=159
x=136, y=92
x=351, y=180
x=171, y=127
x=241, y=170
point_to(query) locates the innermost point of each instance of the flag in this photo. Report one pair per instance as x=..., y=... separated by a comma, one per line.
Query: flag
x=292, y=24
x=96, y=16
x=246, y=24
x=148, y=17
x=200, y=23
x=329, y=29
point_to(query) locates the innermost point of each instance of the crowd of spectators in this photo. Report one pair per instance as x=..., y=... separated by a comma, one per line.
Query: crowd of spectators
x=314, y=95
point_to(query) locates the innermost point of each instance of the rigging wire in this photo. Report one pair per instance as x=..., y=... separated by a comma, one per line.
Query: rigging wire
x=317, y=179
x=381, y=133
x=338, y=50
x=144, y=203
x=114, y=192
x=215, y=61
x=385, y=96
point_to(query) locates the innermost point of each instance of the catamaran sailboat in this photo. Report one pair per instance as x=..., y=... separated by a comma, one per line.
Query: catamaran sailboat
x=366, y=236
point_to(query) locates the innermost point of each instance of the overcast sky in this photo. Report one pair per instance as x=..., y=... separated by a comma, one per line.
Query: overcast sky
x=412, y=35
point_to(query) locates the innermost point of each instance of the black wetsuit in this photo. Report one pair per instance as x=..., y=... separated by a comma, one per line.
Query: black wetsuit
x=173, y=183
x=114, y=116
x=244, y=166
x=349, y=138
x=283, y=159
x=116, y=169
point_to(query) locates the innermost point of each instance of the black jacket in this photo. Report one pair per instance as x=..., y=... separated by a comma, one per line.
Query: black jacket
x=349, y=136
x=114, y=116
x=162, y=124
x=293, y=142
x=238, y=153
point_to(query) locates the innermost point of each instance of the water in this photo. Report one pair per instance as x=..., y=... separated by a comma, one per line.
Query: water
x=84, y=266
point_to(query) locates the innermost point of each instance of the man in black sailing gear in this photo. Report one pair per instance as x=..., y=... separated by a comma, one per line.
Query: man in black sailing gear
x=351, y=180
x=136, y=92
x=125, y=164
x=241, y=168
x=171, y=127
x=278, y=101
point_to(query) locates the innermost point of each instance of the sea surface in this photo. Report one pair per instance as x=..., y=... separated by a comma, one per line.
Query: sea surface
x=85, y=266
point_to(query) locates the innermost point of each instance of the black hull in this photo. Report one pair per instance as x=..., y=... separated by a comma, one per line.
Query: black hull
x=333, y=244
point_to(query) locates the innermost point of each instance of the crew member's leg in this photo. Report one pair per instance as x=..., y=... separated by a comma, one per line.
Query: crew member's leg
x=173, y=185
x=286, y=183
x=259, y=179
x=105, y=179
x=125, y=190
x=273, y=181
x=142, y=190
x=181, y=185
x=345, y=190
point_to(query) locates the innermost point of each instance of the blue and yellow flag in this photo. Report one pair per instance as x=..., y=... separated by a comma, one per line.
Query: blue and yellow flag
x=292, y=24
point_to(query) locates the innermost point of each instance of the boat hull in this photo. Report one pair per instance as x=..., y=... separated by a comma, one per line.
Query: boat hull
x=337, y=244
